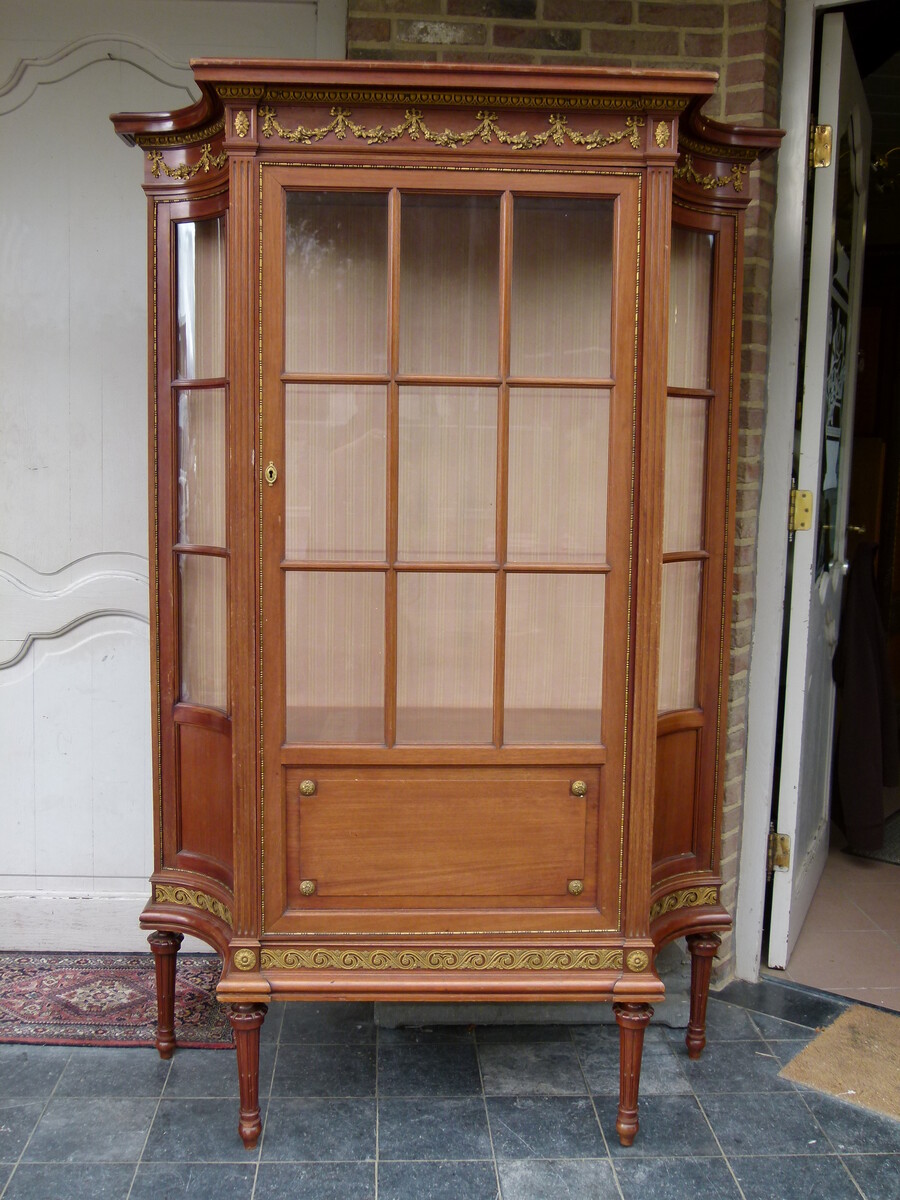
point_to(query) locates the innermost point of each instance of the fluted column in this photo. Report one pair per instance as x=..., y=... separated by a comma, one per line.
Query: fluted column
x=165, y=947
x=703, y=948
x=246, y=1021
x=632, y=1019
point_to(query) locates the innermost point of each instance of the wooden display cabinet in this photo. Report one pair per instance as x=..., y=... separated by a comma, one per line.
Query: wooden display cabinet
x=443, y=416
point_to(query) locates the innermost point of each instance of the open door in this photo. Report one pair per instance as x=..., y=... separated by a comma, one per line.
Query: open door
x=822, y=464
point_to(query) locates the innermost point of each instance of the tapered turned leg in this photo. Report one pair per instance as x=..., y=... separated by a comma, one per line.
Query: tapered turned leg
x=246, y=1021
x=633, y=1019
x=165, y=947
x=703, y=947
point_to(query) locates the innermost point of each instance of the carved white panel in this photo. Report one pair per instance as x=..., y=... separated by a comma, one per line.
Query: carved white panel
x=75, y=809
x=73, y=322
x=77, y=767
x=35, y=606
x=177, y=30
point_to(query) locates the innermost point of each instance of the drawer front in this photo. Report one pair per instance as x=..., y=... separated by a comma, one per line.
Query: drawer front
x=442, y=837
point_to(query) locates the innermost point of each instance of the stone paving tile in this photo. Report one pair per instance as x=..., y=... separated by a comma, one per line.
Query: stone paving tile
x=115, y=1071
x=31, y=1072
x=81, y=1129
x=18, y=1119
x=741, y=1067
x=670, y=1127
x=877, y=1174
x=536, y=1069
x=196, y=1130
x=724, y=1023
x=800, y=1177
x=539, y=1179
x=662, y=1071
x=781, y=1122
x=417, y=1035
x=57, y=1181
x=194, y=1181
x=676, y=1179
x=426, y=1128
x=430, y=1069
x=329, y=1022
x=436, y=1106
x=853, y=1130
x=437, y=1181
x=318, y=1130
x=315, y=1181
x=802, y=1006
x=544, y=1127
x=214, y=1073
x=312, y=1070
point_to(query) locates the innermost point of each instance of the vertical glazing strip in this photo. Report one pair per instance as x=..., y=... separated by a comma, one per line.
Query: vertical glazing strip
x=156, y=682
x=506, y=250
x=393, y=471
x=199, y=344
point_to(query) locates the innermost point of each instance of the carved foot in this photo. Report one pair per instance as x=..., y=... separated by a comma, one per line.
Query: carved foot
x=246, y=1021
x=165, y=947
x=632, y=1019
x=703, y=948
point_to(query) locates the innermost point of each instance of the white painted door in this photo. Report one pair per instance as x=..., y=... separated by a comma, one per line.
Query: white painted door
x=76, y=838
x=822, y=468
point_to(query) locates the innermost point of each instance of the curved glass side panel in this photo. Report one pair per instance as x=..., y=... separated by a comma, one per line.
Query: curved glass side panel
x=690, y=296
x=200, y=300
x=201, y=467
x=203, y=630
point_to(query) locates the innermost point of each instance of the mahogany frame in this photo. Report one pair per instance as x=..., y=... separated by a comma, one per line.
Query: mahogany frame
x=577, y=131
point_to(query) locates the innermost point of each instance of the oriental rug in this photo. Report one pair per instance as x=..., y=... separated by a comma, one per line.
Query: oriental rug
x=54, y=999
x=856, y=1059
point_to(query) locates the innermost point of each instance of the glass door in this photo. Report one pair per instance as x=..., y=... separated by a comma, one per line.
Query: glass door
x=448, y=406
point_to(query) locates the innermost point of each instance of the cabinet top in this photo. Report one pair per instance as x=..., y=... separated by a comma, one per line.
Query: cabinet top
x=251, y=106
x=511, y=78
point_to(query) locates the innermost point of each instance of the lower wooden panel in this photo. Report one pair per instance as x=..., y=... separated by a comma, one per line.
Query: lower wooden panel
x=205, y=801
x=676, y=786
x=443, y=837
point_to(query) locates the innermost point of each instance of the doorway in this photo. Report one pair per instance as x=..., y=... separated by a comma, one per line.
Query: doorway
x=850, y=940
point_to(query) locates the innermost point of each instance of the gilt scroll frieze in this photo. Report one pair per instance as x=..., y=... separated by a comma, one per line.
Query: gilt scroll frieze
x=166, y=893
x=330, y=959
x=414, y=127
x=685, y=898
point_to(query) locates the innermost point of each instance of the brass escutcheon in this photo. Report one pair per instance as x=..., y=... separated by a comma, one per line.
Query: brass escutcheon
x=308, y=887
x=578, y=788
x=576, y=887
x=308, y=787
x=271, y=473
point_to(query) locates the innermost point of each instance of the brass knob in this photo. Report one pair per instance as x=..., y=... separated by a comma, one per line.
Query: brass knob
x=576, y=887
x=308, y=787
x=578, y=788
x=308, y=887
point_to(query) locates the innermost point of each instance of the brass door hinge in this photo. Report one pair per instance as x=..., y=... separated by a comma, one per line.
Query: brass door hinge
x=820, y=146
x=779, y=852
x=800, y=516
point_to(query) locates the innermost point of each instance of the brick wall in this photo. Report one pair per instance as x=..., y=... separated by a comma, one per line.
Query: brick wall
x=741, y=39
